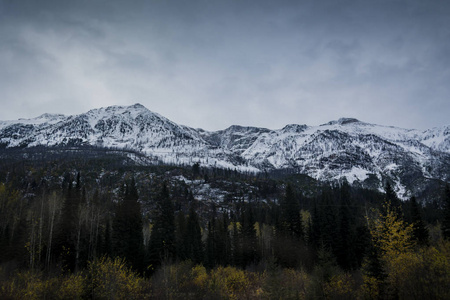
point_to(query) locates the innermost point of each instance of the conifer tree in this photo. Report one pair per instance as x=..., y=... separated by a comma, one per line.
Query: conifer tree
x=289, y=231
x=391, y=197
x=361, y=244
x=315, y=228
x=329, y=223
x=194, y=242
x=218, y=243
x=127, y=228
x=162, y=240
x=373, y=265
x=291, y=222
x=236, y=245
x=219, y=247
x=344, y=251
x=211, y=244
x=446, y=221
x=180, y=236
x=249, y=239
x=420, y=232
x=224, y=241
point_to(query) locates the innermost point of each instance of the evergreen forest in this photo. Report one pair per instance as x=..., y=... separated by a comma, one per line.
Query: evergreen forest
x=94, y=224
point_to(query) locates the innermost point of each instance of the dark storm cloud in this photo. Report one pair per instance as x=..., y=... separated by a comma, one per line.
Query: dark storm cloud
x=211, y=64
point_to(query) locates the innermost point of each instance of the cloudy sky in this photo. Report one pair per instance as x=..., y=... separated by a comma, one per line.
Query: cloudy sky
x=211, y=64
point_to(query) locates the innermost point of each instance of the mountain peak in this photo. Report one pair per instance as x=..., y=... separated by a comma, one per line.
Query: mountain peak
x=294, y=128
x=343, y=121
x=135, y=107
x=50, y=116
x=132, y=110
x=138, y=106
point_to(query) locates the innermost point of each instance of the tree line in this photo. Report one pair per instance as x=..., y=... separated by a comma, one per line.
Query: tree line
x=341, y=241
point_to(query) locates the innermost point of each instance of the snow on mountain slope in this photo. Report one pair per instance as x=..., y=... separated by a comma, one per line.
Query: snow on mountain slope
x=42, y=120
x=437, y=138
x=363, y=153
x=355, y=150
x=235, y=138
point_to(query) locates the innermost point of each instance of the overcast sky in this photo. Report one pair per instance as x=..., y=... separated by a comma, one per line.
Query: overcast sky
x=212, y=64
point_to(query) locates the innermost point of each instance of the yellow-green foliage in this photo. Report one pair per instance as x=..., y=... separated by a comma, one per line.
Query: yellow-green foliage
x=228, y=283
x=199, y=276
x=185, y=281
x=286, y=284
x=421, y=275
x=26, y=285
x=112, y=279
x=306, y=219
x=370, y=288
x=71, y=287
x=238, y=226
x=173, y=281
x=391, y=234
x=411, y=273
x=33, y=285
x=341, y=286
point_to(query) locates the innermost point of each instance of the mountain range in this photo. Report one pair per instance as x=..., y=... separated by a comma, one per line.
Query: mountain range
x=364, y=154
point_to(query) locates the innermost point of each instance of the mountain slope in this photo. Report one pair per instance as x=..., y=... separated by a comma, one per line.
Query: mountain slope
x=363, y=153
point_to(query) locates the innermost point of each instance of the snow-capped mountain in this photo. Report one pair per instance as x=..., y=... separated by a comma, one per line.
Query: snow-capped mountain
x=363, y=153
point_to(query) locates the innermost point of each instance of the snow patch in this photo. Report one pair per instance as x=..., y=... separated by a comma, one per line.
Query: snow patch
x=356, y=173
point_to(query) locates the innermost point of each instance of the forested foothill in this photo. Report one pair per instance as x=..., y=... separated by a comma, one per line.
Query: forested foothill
x=101, y=224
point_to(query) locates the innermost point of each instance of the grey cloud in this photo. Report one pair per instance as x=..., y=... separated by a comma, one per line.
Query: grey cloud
x=211, y=64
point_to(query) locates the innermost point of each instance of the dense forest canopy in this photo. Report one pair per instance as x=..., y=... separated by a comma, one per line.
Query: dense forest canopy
x=95, y=224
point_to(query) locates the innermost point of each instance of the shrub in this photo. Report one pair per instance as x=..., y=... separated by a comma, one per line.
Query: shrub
x=112, y=279
x=33, y=285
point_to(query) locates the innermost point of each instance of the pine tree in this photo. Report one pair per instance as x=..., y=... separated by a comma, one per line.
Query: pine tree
x=224, y=241
x=236, y=245
x=373, y=265
x=291, y=222
x=420, y=232
x=329, y=223
x=211, y=244
x=446, y=221
x=344, y=251
x=289, y=237
x=391, y=197
x=361, y=244
x=315, y=228
x=218, y=243
x=249, y=239
x=127, y=234
x=181, y=239
x=162, y=240
x=194, y=237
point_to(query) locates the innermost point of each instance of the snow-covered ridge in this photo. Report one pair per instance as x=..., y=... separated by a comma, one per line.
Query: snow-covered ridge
x=44, y=119
x=362, y=153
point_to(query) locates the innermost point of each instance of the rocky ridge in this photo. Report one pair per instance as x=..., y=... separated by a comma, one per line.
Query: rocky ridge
x=362, y=153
